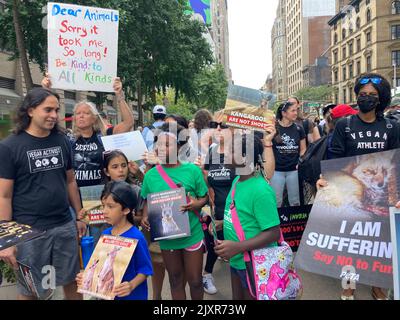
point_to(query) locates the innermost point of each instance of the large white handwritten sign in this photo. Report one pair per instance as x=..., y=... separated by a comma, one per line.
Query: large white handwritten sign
x=82, y=47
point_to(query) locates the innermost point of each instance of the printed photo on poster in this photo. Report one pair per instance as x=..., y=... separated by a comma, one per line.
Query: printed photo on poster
x=395, y=233
x=25, y=277
x=13, y=233
x=349, y=221
x=92, y=204
x=165, y=218
x=107, y=266
x=82, y=47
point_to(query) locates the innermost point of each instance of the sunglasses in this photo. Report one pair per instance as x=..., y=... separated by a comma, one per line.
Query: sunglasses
x=214, y=125
x=108, y=153
x=375, y=80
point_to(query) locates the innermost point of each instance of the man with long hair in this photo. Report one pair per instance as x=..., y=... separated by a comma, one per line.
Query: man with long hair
x=37, y=185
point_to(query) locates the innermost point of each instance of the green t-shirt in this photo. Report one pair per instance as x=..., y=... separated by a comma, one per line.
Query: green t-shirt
x=191, y=178
x=256, y=207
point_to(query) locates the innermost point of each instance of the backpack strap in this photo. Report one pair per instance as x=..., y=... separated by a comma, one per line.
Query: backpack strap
x=348, y=125
x=173, y=185
x=389, y=124
x=306, y=126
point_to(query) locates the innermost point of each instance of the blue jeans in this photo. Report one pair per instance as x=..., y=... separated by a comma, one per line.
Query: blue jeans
x=291, y=180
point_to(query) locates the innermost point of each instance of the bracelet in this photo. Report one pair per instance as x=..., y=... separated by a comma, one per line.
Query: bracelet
x=269, y=146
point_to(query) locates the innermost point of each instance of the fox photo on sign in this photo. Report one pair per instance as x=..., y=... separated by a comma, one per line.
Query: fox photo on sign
x=348, y=232
x=165, y=218
x=107, y=266
x=82, y=47
x=130, y=143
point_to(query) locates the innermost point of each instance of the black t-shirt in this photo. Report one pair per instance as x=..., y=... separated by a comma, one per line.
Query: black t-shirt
x=287, y=151
x=220, y=178
x=88, y=161
x=363, y=137
x=38, y=167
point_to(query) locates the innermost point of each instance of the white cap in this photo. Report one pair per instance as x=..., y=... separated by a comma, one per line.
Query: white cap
x=159, y=109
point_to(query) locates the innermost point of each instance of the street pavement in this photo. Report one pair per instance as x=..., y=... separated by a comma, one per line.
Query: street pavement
x=316, y=287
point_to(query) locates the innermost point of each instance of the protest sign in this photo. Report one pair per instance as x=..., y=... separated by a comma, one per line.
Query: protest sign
x=82, y=47
x=165, y=218
x=293, y=224
x=92, y=204
x=348, y=232
x=13, y=233
x=395, y=233
x=130, y=143
x=107, y=266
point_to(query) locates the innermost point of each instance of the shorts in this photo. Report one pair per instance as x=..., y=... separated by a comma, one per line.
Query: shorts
x=242, y=275
x=196, y=246
x=57, y=248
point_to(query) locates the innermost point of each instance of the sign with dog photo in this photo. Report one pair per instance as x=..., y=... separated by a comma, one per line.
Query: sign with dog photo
x=107, y=266
x=348, y=232
x=165, y=218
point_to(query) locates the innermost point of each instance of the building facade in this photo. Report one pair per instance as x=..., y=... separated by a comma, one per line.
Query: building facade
x=279, y=61
x=306, y=38
x=365, y=36
x=220, y=34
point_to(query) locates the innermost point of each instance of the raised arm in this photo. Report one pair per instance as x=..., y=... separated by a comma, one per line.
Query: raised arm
x=127, y=122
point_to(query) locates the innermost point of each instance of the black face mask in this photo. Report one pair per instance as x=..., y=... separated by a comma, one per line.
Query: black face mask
x=367, y=103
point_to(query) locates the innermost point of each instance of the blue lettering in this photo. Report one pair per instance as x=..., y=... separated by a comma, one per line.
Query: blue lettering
x=71, y=12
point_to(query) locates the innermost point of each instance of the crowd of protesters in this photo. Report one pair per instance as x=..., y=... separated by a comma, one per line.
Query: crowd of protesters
x=218, y=167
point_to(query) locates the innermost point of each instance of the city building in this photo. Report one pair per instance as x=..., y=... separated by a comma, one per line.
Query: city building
x=365, y=36
x=278, y=40
x=317, y=74
x=306, y=38
x=220, y=34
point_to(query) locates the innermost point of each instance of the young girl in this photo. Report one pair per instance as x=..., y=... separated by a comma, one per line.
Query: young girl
x=257, y=213
x=119, y=201
x=117, y=167
x=183, y=257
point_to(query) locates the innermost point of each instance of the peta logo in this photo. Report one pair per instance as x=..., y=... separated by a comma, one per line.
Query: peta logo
x=349, y=277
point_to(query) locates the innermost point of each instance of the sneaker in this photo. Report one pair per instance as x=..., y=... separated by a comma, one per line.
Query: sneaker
x=208, y=284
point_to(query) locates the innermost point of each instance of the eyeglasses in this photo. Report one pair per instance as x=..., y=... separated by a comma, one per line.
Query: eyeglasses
x=375, y=80
x=214, y=125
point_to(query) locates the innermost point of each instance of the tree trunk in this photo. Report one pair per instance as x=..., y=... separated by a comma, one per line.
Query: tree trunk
x=140, y=98
x=21, y=46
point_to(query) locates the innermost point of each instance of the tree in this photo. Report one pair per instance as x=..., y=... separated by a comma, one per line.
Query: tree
x=182, y=107
x=211, y=88
x=321, y=94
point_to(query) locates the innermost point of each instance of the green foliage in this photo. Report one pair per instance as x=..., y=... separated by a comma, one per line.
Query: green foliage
x=321, y=94
x=7, y=272
x=159, y=46
x=211, y=88
x=182, y=107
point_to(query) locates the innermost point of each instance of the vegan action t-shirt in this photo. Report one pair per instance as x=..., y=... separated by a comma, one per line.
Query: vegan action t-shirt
x=257, y=212
x=38, y=167
x=190, y=177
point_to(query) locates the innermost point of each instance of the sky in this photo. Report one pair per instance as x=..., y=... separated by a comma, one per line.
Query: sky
x=250, y=25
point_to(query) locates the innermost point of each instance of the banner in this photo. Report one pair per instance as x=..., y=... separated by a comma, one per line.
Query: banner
x=293, y=224
x=395, y=233
x=82, y=47
x=348, y=232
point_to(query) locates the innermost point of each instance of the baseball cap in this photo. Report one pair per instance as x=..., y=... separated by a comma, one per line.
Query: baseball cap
x=159, y=109
x=342, y=110
x=124, y=192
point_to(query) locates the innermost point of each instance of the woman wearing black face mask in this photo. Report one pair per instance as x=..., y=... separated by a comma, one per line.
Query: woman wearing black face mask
x=367, y=132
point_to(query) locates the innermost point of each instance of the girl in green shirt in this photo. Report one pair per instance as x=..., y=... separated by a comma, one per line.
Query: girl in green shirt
x=255, y=203
x=183, y=257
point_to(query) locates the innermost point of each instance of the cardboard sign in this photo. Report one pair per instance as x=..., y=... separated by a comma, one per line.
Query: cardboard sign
x=107, y=266
x=92, y=203
x=244, y=116
x=395, y=233
x=348, y=233
x=130, y=143
x=82, y=47
x=13, y=233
